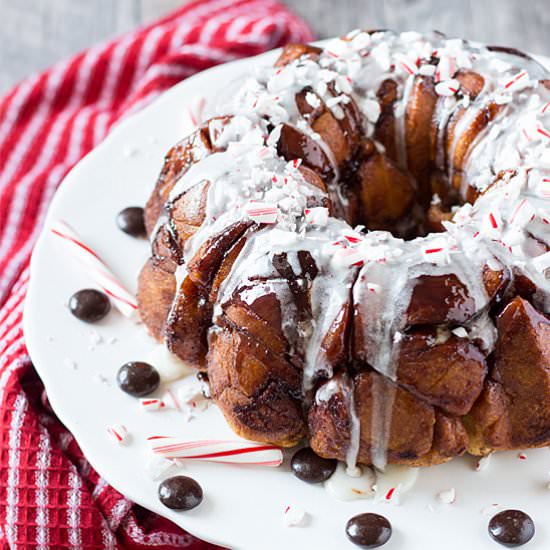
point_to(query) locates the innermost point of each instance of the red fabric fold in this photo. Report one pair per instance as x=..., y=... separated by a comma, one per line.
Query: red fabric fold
x=50, y=496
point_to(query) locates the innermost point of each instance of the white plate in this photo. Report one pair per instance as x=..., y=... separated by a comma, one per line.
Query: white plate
x=243, y=507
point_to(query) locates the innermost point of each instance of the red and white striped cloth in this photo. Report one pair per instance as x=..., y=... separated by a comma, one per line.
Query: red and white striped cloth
x=50, y=497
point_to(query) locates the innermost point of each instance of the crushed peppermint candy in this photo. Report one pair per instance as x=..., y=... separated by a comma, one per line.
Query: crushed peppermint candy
x=294, y=516
x=118, y=433
x=448, y=496
x=427, y=70
x=170, y=400
x=374, y=288
x=492, y=223
x=446, y=69
x=447, y=88
x=262, y=212
x=523, y=213
x=149, y=404
x=542, y=188
x=196, y=110
x=347, y=257
x=542, y=263
x=461, y=332
x=372, y=110
x=95, y=339
x=437, y=252
x=295, y=163
x=406, y=64
x=483, y=463
x=313, y=100
x=393, y=495
x=157, y=466
x=317, y=216
x=517, y=82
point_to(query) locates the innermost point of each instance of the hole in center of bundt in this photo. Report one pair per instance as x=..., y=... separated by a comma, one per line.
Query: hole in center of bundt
x=381, y=195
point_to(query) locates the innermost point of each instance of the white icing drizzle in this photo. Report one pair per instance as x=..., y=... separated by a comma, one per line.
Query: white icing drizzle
x=516, y=146
x=355, y=426
x=400, y=113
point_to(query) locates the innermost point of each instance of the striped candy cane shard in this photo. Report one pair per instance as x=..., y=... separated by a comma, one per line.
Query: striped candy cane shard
x=523, y=213
x=517, y=82
x=347, y=257
x=157, y=466
x=393, y=495
x=492, y=223
x=294, y=516
x=196, y=110
x=483, y=463
x=99, y=273
x=446, y=68
x=235, y=451
x=542, y=188
x=317, y=216
x=262, y=212
x=118, y=433
x=542, y=262
x=437, y=252
x=151, y=404
x=447, y=88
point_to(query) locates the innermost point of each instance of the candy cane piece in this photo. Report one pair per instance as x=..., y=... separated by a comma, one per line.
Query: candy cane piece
x=237, y=452
x=294, y=516
x=348, y=257
x=96, y=267
x=542, y=262
x=317, y=216
x=447, y=88
x=118, y=433
x=517, y=82
x=196, y=110
x=150, y=404
x=262, y=212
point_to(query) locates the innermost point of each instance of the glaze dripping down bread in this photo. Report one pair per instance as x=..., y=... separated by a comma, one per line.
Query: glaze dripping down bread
x=356, y=250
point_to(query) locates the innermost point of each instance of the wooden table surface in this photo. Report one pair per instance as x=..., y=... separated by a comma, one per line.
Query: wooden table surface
x=35, y=33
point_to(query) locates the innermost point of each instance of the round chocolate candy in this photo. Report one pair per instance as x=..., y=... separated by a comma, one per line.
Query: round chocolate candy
x=137, y=378
x=512, y=528
x=310, y=467
x=180, y=493
x=368, y=530
x=131, y=221
x=89, y=305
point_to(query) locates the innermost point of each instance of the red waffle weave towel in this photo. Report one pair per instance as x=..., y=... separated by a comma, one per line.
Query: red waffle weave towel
x=50, y=496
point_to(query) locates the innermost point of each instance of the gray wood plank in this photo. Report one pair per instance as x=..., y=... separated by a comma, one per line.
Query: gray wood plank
x=152, y=9
x=35, y=33
x=510, y=22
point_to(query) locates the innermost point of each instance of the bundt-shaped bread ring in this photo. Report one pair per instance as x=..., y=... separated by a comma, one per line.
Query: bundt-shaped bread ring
x=357, y=250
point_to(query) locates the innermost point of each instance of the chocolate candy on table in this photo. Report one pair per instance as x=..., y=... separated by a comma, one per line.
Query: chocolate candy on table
x=89, y=305
x=131, y=221
x=512, y=528
x=310, y=467
x=180, y=493
x=137, y=378
x=368, y=530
